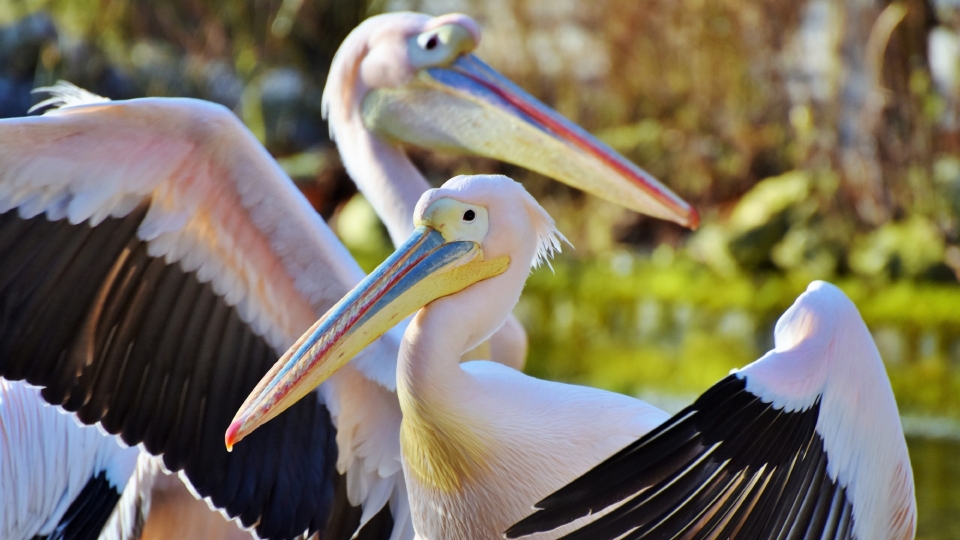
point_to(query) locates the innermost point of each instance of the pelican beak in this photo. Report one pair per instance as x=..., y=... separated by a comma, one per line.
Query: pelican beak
x=424, y=268
x=467, y=107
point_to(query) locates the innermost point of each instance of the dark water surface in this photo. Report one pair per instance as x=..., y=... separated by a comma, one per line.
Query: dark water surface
x=936, y=471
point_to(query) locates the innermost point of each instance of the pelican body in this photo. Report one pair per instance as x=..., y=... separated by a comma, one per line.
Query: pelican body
x=480, y=441
x=155, y=260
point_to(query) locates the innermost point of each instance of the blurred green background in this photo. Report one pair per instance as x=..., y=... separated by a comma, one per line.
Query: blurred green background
x=819, y=139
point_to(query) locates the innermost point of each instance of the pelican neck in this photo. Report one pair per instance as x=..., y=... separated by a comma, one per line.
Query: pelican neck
x=384, y=174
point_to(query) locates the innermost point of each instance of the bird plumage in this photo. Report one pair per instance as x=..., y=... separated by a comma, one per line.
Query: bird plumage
x=807, y=439
x=164, y=225
x=527, y=434
x=58, y=478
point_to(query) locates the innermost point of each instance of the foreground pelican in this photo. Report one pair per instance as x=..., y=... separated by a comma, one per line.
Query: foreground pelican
x=813, y=422
x=154, y=261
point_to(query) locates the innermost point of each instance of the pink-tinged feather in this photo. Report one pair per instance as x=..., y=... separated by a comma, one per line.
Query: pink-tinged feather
x=825, y=351
x=219, y=204
x=190, y=161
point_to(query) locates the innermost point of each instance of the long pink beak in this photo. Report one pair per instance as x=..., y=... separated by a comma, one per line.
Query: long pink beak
x=467, y=107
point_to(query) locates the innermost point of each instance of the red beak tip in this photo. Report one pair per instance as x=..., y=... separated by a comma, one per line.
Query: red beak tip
x=231, y=437
x=693, y=222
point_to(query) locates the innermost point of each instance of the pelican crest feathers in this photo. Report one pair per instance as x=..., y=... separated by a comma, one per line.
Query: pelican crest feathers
x=64, y=94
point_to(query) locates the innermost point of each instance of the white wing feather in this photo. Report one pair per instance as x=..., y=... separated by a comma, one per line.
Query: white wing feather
x=823, y=348
x=46, y=459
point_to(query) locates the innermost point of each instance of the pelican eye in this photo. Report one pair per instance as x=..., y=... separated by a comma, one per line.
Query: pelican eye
x=438, y=47
x=456, y=221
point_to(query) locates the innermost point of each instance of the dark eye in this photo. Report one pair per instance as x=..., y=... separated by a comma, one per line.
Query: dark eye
x=469, y=215
x=431, y=43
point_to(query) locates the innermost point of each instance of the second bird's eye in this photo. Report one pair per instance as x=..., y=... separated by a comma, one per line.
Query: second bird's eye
x=469, y=215
x=431, y=43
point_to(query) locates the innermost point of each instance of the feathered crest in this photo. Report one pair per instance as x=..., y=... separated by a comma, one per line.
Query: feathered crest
x=549, y=238
x=64, y=94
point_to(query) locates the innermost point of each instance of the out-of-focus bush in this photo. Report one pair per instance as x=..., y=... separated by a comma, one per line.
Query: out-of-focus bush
x=711, y=96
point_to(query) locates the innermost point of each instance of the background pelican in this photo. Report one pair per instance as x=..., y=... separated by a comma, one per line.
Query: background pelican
x=810, y=433
x=155, y=260
x=406, y=77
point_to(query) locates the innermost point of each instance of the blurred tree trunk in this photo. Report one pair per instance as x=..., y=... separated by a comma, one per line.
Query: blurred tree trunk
x=835, y=77
x=867, y=30
x=860, y=107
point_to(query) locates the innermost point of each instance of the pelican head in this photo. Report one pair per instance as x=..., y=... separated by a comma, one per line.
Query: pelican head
x=411, y=78
x=475, y=241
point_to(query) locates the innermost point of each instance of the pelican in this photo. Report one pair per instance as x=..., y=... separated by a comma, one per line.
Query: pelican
x=155, y=260
x=809, y=433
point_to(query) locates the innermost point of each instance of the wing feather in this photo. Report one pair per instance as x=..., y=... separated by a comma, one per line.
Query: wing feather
x=57, y=478
x=804, y=443
x=154, y=261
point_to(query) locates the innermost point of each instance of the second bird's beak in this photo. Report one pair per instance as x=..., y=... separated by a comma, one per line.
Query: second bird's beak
x=424, y=268
x=467, y=107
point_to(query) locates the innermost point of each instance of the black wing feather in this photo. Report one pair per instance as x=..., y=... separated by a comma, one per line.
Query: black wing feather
x=143, y=347
x=728, y=466
x=89, y=511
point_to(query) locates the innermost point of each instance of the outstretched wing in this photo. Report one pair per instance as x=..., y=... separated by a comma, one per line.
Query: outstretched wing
x=154, y=262
x=804, y=443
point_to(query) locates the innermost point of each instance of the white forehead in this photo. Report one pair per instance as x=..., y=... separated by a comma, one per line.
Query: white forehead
x=486, y=190
x=375, y=53
x=399, y=26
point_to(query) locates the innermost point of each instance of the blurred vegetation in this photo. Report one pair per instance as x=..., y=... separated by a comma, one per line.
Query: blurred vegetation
x=666, y=324
x=819, y=139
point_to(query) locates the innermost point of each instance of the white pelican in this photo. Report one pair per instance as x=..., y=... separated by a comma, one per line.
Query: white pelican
x=154, y=261
x=812, y=426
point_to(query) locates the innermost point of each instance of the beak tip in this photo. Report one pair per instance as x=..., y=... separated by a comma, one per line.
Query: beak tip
x=693, y=221
x=231, y=437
